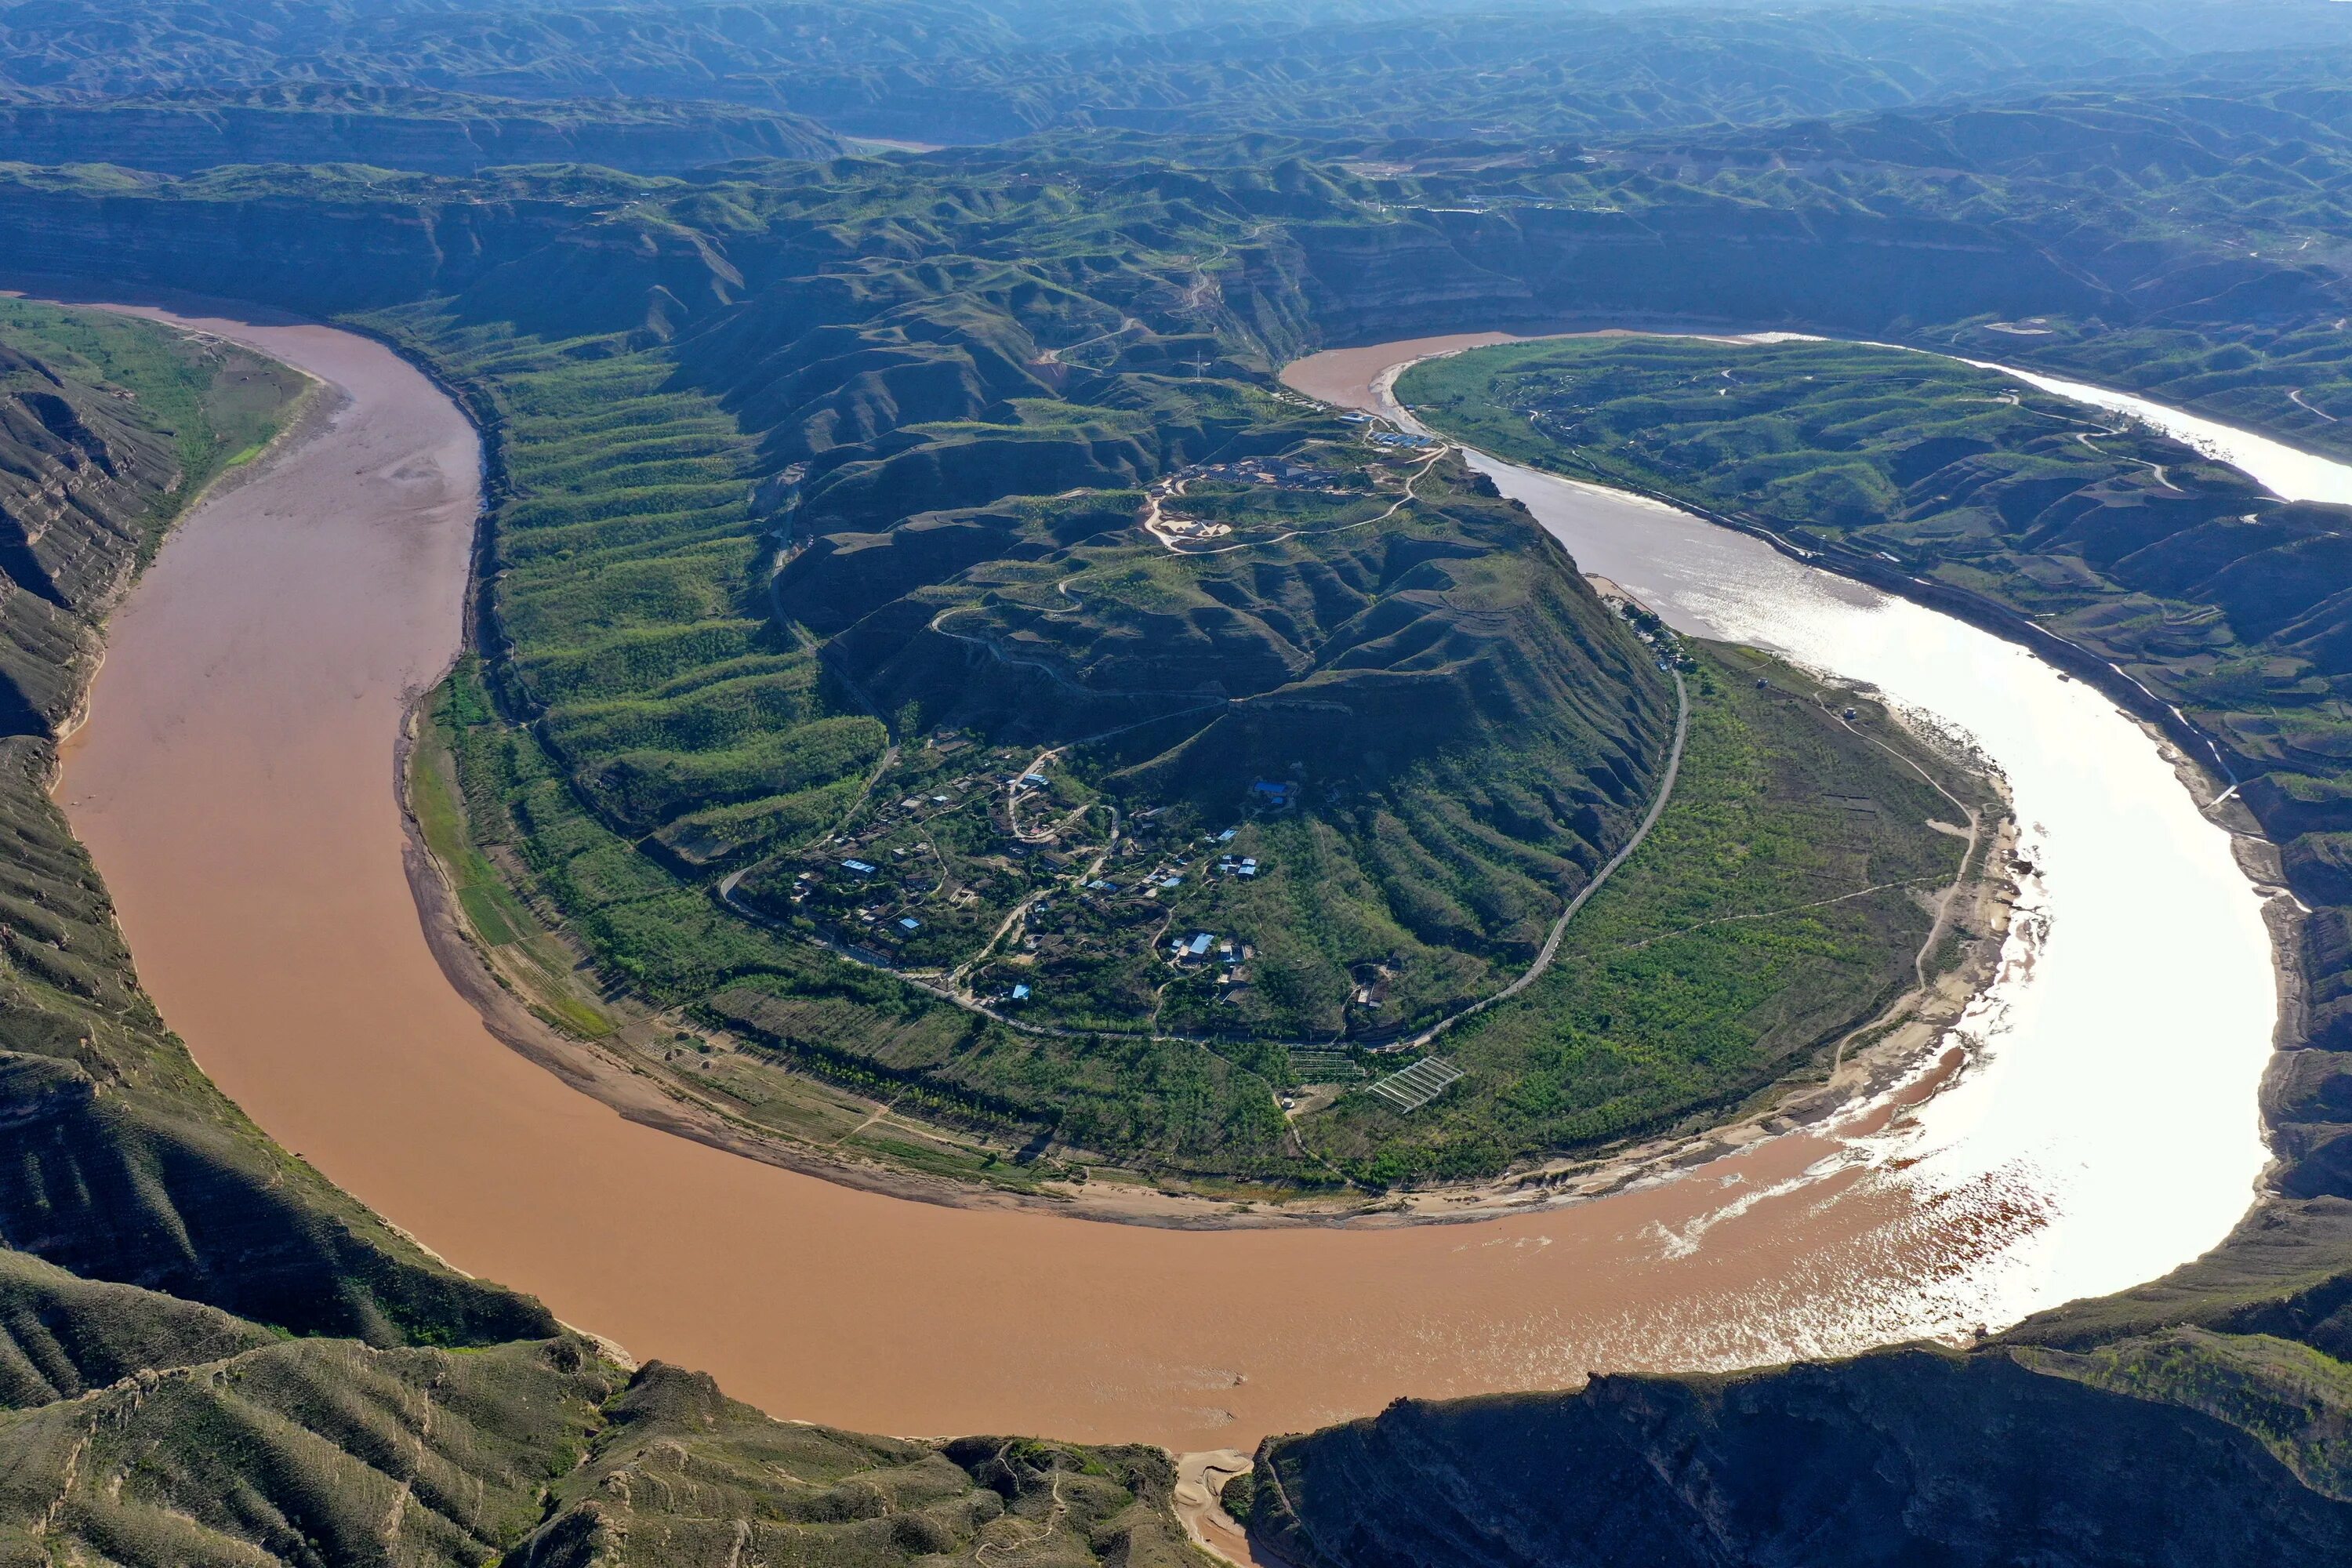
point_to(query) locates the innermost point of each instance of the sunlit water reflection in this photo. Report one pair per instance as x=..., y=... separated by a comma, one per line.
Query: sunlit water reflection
x=2111, y=1094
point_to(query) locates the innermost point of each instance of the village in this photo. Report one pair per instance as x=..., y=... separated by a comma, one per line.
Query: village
x=999, y=873
x=1264, y=500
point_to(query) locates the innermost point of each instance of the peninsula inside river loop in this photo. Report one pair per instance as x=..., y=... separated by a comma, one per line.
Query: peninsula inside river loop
x=236, y=786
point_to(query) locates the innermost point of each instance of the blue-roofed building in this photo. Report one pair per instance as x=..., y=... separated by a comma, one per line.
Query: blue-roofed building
x=1200, y=947
x=859, y=867
x=1020, y=993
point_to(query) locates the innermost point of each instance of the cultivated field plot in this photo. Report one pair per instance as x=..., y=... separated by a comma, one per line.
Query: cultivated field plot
x=1323, y=1066
x=1417, y=1085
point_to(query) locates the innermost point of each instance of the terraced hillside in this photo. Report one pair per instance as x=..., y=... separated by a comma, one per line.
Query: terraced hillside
x=784, y=453
x=1368, y=673
x=783, y=447
x=746, y=323
x=808, y=693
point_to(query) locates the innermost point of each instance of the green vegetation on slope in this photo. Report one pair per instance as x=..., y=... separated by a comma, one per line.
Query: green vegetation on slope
x=546, y=1452
x=1949, y=470
x=2123, y=220
x=1430, y=731
x=784, y=445
x=1784, y=897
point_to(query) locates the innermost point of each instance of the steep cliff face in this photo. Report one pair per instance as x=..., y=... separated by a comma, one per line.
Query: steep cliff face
x=2193, y=1456
x=1532, y=268
x=229, y=234
x=82, y=480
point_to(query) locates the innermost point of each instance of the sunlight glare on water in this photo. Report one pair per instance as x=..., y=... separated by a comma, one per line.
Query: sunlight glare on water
x=2114, y=1091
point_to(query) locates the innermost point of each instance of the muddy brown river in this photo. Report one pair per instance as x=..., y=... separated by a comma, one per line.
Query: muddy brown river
x=236, y=786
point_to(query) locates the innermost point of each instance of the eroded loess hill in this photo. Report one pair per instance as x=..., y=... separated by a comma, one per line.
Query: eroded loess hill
x=543, y=1452
x=2188, y=1447
x=1428, y=727
x=809, y=474
x=903, y=580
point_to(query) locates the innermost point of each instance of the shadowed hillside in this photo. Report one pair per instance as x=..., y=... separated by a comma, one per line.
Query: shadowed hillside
x=2189, y=1448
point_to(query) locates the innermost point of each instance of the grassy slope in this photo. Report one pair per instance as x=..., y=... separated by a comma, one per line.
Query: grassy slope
x=939, y=464
x=634, y=657
x=542, y=1452
x=1833, y=246
x=679, y=733
x=1776, y=905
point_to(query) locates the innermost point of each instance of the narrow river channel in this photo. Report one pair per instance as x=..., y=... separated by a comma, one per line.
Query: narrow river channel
x=236, y=786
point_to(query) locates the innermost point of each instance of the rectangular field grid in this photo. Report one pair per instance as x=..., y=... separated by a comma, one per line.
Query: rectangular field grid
x=1323, y=1066
x=1414, y=1087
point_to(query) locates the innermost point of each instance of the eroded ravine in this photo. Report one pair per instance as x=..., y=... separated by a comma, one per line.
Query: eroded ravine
x=236, y=786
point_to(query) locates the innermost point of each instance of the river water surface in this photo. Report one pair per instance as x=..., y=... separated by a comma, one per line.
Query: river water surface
x=236, y=786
